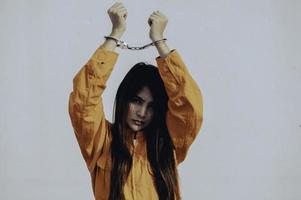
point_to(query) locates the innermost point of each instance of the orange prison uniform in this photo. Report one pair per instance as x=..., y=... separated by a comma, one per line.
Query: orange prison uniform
x=92, y=130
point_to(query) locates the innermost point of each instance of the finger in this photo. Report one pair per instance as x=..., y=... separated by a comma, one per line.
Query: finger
x=123, y=14
x=114, y=6
x=158, y=14
x=117, y=4
x=112, y=9
x=120, y=6
x=117, y=10
x=152, y=16
x=122, y=10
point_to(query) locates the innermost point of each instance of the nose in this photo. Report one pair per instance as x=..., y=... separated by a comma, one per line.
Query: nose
x=141, y=112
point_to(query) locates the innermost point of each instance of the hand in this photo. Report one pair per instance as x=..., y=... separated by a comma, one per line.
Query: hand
x=118, y=15
x=157, y=22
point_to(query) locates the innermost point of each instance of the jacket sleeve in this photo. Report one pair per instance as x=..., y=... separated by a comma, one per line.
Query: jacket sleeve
x=185, y=105
x=85, y=105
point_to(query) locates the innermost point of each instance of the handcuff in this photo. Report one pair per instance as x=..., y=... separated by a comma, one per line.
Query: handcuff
x=123, y=45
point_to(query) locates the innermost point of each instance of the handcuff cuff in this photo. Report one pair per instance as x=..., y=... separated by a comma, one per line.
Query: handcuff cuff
x=123, y=45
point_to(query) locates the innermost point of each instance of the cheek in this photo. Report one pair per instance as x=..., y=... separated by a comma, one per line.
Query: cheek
x=131, y=109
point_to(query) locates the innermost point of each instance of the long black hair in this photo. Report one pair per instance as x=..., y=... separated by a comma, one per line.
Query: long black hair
x=160, y=151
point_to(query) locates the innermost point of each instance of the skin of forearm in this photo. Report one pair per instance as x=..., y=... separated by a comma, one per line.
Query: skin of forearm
x=162, y=48
x=109, y=44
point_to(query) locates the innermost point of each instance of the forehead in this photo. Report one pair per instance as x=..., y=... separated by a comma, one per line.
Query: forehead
x=145, y=94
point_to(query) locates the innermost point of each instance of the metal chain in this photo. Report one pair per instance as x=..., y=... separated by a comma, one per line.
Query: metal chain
x=139, y=48
x=123, y=45
x=145, y=46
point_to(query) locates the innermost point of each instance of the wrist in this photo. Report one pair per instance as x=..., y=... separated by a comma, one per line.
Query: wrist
x=117, y=33
x=159, y=42
x=156, y=38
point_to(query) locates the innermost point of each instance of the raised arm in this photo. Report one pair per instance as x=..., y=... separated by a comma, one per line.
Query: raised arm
x=157, y=22
x=85, y=102
x=185, y=105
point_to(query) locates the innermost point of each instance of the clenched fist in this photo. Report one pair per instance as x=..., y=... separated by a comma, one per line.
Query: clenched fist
x=157, y=22
x=118, y=14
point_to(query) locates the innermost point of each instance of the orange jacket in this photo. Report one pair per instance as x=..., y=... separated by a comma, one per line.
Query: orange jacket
x=92, y=130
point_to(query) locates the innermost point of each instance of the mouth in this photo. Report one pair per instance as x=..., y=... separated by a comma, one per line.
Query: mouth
x=138, y=122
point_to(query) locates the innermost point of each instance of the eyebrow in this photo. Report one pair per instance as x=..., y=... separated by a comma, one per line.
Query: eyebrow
x=141, y=99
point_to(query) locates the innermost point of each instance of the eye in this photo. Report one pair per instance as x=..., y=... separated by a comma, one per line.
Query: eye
x=136, y=101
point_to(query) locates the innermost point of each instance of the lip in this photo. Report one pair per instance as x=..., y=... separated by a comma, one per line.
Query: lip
x=138, y=122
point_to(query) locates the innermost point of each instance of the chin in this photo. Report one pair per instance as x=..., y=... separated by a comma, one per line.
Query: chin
x=135, y=128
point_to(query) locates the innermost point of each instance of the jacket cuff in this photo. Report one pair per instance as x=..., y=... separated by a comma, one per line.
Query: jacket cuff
x=172, y=67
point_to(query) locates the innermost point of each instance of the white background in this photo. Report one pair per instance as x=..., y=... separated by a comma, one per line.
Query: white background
x=245, y=56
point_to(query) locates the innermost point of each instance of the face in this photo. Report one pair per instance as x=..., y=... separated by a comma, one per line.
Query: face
x=140, y=110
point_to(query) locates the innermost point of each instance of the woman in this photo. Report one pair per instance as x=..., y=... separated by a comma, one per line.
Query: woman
x=158, y=113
